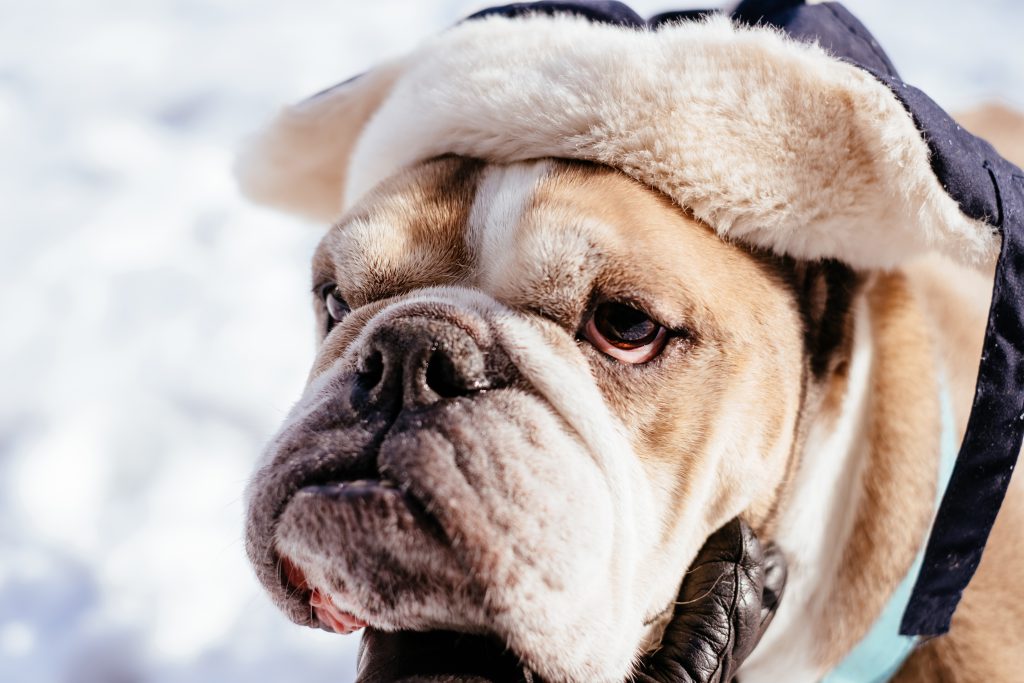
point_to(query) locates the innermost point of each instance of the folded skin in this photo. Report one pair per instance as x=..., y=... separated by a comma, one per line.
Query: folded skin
x=726, y=602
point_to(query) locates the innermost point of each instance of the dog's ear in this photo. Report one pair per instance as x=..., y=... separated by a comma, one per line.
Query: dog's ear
x=299, y=162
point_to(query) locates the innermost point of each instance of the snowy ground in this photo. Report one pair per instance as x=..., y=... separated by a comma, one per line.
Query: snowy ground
x=154, y=328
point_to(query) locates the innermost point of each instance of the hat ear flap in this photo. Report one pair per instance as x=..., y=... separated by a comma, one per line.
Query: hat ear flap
x=299, y=162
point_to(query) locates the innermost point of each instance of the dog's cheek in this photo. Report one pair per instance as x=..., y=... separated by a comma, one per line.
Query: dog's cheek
x=592, y=631
x=538, y=526
x=515, y=489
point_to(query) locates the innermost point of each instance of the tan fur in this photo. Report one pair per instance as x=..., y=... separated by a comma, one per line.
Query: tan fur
x=694, y=280
x=897, y=486
x=427, y=243
x=407, y=235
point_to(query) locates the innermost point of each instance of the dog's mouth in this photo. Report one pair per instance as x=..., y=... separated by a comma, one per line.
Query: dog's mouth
x=322, y=606
x=329, y=616
x=357, y=500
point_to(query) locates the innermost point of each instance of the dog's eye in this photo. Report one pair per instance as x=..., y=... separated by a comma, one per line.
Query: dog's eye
x=336, y=306
x=625, y=333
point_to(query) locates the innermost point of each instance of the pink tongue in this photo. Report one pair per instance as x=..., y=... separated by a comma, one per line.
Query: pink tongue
x=331, y=616
x=328, y=614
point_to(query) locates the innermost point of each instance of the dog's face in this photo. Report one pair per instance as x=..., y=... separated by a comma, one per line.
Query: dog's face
x=539, y=388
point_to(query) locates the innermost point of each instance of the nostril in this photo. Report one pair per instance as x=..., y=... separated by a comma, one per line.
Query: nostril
x=370, y=370
x=444, y=378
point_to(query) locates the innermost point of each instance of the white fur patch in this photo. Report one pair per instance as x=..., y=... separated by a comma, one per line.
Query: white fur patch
x=503, y=194
x=767, y=140
x=815, y=526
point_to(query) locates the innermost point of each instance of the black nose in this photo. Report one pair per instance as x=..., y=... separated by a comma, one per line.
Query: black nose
x=418, y=361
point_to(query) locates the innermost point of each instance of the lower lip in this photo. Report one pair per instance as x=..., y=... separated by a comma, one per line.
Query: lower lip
x=375, y=497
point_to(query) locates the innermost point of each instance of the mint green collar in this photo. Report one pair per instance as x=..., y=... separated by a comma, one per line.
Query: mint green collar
x=883, y=650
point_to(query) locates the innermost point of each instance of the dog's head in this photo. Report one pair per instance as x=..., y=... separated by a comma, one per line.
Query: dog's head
x=541, y=384
x=540, y=387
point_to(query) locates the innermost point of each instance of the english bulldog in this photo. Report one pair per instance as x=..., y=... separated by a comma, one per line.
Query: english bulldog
x=550, y=365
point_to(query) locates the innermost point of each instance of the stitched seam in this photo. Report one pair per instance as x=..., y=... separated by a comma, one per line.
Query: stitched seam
x=867, y=43
x=1000, y=211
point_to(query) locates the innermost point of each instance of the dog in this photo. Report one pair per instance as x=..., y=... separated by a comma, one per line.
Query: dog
x=543, y=381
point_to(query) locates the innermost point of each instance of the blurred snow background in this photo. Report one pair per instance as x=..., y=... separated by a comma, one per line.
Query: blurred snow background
x=154, y=328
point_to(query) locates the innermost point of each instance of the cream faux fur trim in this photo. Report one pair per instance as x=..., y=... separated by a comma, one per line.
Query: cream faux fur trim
x=767, y=140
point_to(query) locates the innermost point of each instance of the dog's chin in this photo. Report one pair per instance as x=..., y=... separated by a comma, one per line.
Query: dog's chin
x=482, y=515
x=376, y=556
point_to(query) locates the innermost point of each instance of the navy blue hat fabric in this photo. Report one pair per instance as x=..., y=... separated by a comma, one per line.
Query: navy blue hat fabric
x=609, y=12
x=986, y=187
x=829, y=24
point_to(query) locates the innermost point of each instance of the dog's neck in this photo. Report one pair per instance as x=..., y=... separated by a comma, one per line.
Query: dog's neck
x=857, y=509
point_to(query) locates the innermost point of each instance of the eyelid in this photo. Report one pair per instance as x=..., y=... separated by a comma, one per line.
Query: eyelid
x=633, y=302
x=637, y=356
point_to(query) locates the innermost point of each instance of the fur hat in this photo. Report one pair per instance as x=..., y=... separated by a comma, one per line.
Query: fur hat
x=767, y=140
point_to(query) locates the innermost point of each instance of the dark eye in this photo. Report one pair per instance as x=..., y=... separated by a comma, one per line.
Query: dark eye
x=625, y=333
x=336, y=306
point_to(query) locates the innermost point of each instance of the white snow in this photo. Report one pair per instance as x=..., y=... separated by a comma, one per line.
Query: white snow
x=154, y=328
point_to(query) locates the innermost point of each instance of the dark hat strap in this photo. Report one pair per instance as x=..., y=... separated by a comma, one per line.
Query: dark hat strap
x=992, y=443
